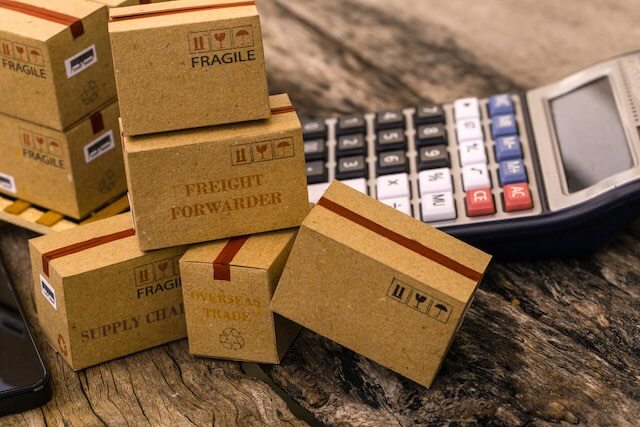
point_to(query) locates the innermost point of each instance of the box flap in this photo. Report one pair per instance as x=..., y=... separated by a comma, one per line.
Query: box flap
x=43, y=19
x=283, y=120
x=178, y=12
x=256, y=251
x=399, y=241
x=89, y=246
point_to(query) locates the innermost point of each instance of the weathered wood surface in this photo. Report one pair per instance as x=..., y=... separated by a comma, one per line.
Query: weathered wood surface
x=554, y=341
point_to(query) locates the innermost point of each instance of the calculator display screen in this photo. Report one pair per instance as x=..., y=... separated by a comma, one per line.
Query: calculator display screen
x=590, y=134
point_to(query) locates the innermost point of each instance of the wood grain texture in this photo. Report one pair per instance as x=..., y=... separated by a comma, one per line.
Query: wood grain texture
x=552, y=341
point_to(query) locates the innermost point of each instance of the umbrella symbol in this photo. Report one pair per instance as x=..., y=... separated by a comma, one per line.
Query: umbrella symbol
x=242, y=33
x=441, y=309
x=283, y=146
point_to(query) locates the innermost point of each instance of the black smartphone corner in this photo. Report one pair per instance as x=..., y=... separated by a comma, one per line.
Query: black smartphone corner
x=24, y=380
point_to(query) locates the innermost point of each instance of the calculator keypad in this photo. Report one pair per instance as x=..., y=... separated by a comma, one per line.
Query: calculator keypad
x=467, y=161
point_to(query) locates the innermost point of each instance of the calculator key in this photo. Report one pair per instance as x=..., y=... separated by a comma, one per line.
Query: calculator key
x=389, y=119
x=466, y=108
x=472, y=152
x=480, y=202
x=433, y=156
x=512, y=171
x=354, y=123
x=429, y=114
x=475, y=176
x=504, y=125
x=392, y=162
x=517, y=197
x=316, y=191
x=359, y=184
x=351, y=167
x=391, y=139
x=500, y=104
x=315, y=149
x=431, y=135
x=316, y=172
x=508, y=148
x=468, y=129
x=313, y=128
x=392, y=186
x=437, y=207
x=435, y=181
x=351, y=144
x=401, y=204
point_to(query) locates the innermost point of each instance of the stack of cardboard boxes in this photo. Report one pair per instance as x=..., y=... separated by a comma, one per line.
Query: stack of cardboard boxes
x=217, y=186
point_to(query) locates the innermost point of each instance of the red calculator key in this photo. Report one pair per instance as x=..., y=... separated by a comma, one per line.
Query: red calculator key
x=480, y=202
x=517, y=197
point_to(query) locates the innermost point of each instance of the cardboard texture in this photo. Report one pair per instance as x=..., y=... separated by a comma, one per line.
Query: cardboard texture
x=379, y=282
x=212, y=183
x=56, y=60
x=99, y=297
x=73, y=172
x=227, y=289
x=123, y=3
x=186, y=64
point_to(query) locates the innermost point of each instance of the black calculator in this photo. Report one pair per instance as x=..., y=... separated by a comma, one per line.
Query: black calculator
x=551, y=172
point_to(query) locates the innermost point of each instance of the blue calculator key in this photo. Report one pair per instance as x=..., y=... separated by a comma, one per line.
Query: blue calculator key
x=500, y=104
x=508, y=148
x=504, y=125
x=512, y=171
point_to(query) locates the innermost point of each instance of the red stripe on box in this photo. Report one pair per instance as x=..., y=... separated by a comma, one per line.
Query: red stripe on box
x=221, y=267
x=153, y=13
x=77, y=29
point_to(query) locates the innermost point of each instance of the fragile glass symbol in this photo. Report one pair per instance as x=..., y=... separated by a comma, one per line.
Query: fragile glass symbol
x=220, y=37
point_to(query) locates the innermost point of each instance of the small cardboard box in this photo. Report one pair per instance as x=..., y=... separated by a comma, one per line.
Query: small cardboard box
x=99, y=297
x=227, y=289
x=188, y=63
x=55, y=59
x=379, y=282
x=217, y=182
x=73, y=172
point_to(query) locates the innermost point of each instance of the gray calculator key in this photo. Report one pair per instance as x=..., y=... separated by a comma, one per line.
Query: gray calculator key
x=389, y=119
x=431, y=135
x=315, y=149
x=316, y=172
x=351, y=124
x=428, y=114
x=391, y=139
x=432, y=157
x=313, y=128
x=351, y=167
x=392, y=162
x=351, y=144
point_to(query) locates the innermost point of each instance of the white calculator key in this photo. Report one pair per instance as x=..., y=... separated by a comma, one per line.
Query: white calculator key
x=472, y=152
x=475, y=177
x=435, y=181
x=401, y=204
x=316, y=191
x=468, y=129
x=392, y=186
x=466, y=108
x=438, y=207
x=359, y=184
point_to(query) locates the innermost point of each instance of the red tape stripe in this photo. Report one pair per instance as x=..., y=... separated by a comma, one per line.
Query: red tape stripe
x=410, y=244
x=221, y=268
x=77, y=29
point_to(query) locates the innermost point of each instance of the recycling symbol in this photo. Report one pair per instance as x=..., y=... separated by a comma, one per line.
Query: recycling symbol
x=232, y=339
x=90, y=92
x=108, y=182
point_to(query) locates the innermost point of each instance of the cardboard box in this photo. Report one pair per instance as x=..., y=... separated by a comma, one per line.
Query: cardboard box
x=223, y=181
x=227, y=289
x=379, y=282
x=55, y=60
x=73, y=172
x=99, y=297
x=190, y=63
x=123, y=3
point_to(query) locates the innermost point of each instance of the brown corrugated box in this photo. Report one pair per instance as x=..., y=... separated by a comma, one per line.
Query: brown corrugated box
x=55, y=60
x=379, y=282
x=227, y=289
x=188, y=63
x=73, y=172
x=217, y=182
x=123, y=3
x=99, y=297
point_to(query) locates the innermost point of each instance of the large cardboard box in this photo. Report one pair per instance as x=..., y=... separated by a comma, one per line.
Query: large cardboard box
x=56, y=60
x=73, y=172
x=217, y=182
x=379, y=282
x=188, y=63
x=99, y=297
x=227, y=289
x=123, y=3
